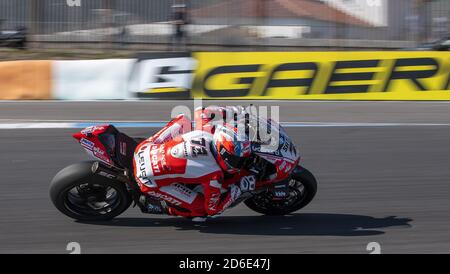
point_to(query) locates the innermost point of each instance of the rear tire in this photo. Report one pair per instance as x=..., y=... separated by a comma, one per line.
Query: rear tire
x=262, y=203
x=76, y=191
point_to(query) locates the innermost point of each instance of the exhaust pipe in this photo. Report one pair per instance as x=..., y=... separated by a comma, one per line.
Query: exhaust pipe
x=109, y=172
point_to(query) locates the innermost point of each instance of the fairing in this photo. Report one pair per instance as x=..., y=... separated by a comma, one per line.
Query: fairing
x=89, y=140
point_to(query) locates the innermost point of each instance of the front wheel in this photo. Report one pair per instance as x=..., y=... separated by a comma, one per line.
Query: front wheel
x=303, y=188
x=82, y=195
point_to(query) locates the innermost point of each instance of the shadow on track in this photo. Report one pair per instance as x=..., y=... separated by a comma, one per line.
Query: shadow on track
x=306, y=224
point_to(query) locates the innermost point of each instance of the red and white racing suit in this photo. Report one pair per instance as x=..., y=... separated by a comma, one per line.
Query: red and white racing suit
x=176, y=156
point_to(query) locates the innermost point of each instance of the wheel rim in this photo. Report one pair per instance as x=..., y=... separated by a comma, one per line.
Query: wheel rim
x=297, y=194
x=92, y=199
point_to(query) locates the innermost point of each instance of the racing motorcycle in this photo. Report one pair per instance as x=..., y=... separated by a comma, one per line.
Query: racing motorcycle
x=104, y=188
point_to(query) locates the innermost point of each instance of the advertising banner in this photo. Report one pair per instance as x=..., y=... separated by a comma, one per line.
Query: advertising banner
x=323, y=75
x=162, y=75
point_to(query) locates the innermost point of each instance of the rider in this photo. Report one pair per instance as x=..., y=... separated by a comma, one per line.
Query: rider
x=206, y=156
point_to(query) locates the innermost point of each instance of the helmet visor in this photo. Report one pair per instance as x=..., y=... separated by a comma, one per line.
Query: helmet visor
x=231, y=160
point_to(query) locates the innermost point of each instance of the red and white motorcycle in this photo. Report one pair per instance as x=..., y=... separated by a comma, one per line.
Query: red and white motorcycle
x=105, y=188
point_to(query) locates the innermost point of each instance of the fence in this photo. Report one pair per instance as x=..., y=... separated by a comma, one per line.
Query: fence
x=334, y=23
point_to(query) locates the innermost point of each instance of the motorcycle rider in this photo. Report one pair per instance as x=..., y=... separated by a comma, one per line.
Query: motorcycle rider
x=176, y=156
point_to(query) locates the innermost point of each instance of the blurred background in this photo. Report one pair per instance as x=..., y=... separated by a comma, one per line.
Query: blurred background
x=382, y=166
x=228, y=24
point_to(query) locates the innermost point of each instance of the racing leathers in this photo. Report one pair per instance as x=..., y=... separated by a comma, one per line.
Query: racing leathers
x=175, y=157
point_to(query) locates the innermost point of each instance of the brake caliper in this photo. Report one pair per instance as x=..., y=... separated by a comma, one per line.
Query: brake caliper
x=280, y=192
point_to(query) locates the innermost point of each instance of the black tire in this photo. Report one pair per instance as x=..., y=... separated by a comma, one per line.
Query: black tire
x=263, y=204
x=79, y=176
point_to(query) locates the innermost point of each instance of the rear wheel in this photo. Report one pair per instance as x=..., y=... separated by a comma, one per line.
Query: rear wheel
x=78, y=193
x=302, y=189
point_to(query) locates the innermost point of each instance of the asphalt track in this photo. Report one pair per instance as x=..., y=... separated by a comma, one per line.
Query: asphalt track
x=385, y=184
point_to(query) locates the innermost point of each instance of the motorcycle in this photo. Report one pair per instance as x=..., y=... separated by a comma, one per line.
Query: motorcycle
x=104, y=188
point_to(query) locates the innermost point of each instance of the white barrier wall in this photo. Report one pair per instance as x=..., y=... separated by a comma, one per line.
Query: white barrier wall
x=91, y=79
x=396, y=75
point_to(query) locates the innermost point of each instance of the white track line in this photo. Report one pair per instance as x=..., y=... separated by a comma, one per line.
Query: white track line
x=35, y=125
x=158, y=124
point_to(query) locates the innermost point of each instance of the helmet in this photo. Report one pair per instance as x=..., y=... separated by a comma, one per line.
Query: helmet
x=231, y=152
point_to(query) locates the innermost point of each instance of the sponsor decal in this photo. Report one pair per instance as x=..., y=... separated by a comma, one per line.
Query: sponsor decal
x=101, y=154
x=95, y=151
x=180, y=192
x=198, y=147
x=325, y=75
x=107, y=175
x=123, y=148
x=87, y=144
x=213, y=202
x=288, y=150
x=293, y=75
x=92, y=129
x=165, y=198
x=88, y=130
x=156, y=153
x=141, y=169
x=161, y=75
x=280, y=194
x=184, y=190
x=199, y=151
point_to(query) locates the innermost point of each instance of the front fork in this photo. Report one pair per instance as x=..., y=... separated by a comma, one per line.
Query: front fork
x=279, y=191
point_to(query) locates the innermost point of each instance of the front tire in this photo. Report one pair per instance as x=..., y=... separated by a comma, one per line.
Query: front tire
x=82, y=195
x=303, y=186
